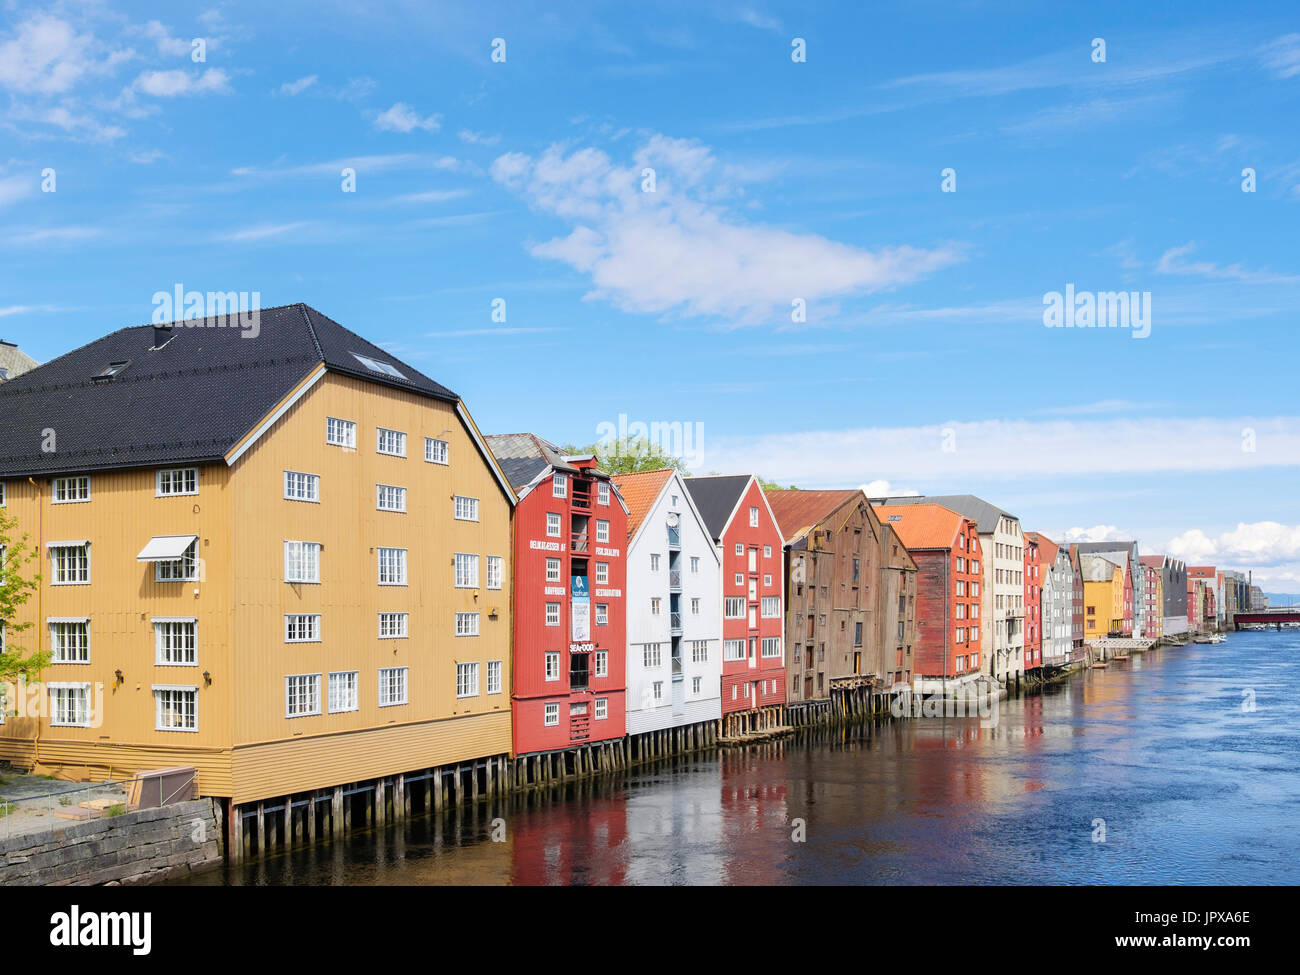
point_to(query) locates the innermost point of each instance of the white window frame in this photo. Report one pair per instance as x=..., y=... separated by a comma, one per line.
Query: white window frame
x=560, y=485
x=348, y=429
x=435, y=455
x=302, y=561
x=160, y=624
x=464, y=508
x=63, y=483
x=494, y=671
x=310, y=484
x=551, y=716
x=158, y=691
x=771, y=647
x=733, y=650
x=602, y=573
x=774, y=604
x=185, y=569
x=55, y=563
x=399, y=556
x=602, y=492
x=81, y=686
x=288, y=712
x=601, y=664
x=602, y=530
x=729, y=603
x=495, y=571
x=552, y=614
x=652, y=655
x=386, y=686
x=553, y=520
x=602, y=614
x=602, y=708
x=551, y=665
x=400, y=626
x=290, y=619
x=184, y=472
x=353, y=685
x=465, y=575
x=753, y=516
x=654, y=561
x=393, y=491
x=58, y=647
x=467, y=679
x=467, y=624
x=394, y=440
x=553, y=570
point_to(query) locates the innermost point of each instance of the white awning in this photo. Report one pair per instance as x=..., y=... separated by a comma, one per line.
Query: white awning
x=75, y=543
x=166, y=548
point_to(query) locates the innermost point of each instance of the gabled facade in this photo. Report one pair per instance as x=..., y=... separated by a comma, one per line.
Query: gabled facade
x=569, y=607
x=674, y=606
x=1057, y=599
x=1202, y=604
x=14, y=361
x=1125, y=555
x=1033, y=603
x=1103, y=597
x=749, y=547
x=1173, y=586
x=1152, y=598
x=1002, y=632
x=1077, y=614
x=945, y=547
x=247, y=560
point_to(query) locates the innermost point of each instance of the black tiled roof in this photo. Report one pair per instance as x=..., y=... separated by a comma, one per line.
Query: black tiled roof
x=716, y=498
x=188, y=401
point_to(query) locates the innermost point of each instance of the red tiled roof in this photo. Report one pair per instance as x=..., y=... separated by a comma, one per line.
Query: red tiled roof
x=922, y=526
x=1047, y=548
x=639, y=491
x=797, y=511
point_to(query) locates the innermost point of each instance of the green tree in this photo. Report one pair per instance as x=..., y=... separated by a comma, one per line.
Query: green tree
x=629, y=456
x=16, y=557
x=767, y=485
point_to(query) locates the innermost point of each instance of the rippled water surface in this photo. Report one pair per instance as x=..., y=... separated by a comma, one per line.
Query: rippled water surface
x=1190, y=785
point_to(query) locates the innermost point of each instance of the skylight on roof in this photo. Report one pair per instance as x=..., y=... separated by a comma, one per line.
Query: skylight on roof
x=374, y=365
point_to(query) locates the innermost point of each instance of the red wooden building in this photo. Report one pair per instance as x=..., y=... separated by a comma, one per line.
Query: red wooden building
x=1033, y=602
x=570, y=576
x=945, y=546
x=753, y=598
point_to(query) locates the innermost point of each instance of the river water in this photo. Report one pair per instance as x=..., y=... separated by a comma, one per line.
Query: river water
x=1179, y=767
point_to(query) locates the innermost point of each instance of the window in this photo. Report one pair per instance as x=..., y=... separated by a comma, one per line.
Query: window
x=695, y=565
x=740, y=548
x=343, y=691
x=435, y=451
x=390, y=498
x=560, y=486
x=2, y=504
x=602, y=614
x=176, y=642
x=466, y=571
x=771, y=607
x=733, y=649
x=602, y=708
x=734, y=608
x=695, y=605
x=184, y=569
x=654, y=562
x=70, y=564
x=393, y=626
x=552, y=525
x=70, y=705
x=602, y=663
x=392, y=686
x=494, y=676
x=602, y=492
x=656, y=604
x=771, y=646
x=467, y=624
x=391, y=442
x=70, y=641
x=857, y=634
x=602, y=573
x=552, y=570
x=753, y=517
x=552, y=717
x=301, y=695
x=340, y=433
x=378, y=365
x=659, y=691
x=767, y=577
x=602, y=531
x=392, y=566
x=767, y=553
x=177, y=480
x=699, y=651
x=695, y=685
x=467, y=680
x=652, y=655
x=176, y=708
x=552, y=666
x=69, y=490
x=301, y=487
x=466, y=509
x=302, y=562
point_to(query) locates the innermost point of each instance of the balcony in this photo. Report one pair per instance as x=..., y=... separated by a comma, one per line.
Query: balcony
x=675, y=580
x=677, y=666
x=578, y=542
x=674, y=537
x=675, y=624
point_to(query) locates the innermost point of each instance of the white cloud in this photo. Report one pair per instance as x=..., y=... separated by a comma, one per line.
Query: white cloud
x=1011, y=450
x=402, y=118
x=14, y=188
x=1173, y=261
x=47, y=56
x=174, y=83
x=676, y=250
x=478, y=138
x=1097, y=533
x=168, y=46
x=50, y=235
x=291, y=88
x=1254, y=544
x=262, y=232
x=883, y=489
x=1282, y=57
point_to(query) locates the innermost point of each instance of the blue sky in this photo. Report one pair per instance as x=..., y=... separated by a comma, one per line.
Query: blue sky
x=922, y=359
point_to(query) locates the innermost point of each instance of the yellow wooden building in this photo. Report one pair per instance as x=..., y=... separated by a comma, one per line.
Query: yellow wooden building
x=283, y=558
x=1103, y=596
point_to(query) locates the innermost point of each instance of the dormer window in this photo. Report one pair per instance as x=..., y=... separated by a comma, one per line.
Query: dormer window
x=111, y=370
x=376, y=365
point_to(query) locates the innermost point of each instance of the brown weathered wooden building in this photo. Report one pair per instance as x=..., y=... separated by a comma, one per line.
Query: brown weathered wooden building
x=850, y=597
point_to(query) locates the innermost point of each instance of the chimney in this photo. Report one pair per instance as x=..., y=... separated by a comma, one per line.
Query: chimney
x=162, y=334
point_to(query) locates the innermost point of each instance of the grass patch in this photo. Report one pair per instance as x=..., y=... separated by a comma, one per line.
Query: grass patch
x=116, y=810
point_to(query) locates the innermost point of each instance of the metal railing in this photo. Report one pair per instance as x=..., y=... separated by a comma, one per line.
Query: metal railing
x=674, y=578
x=675, y=622
x=64, y=805
x=578, y=542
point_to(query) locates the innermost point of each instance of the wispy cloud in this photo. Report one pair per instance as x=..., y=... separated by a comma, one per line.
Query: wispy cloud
x=177, y=83
x=1174, y=261
x=1282, y=56
x=291, y=88
x=402, y=118
x=263, y=231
